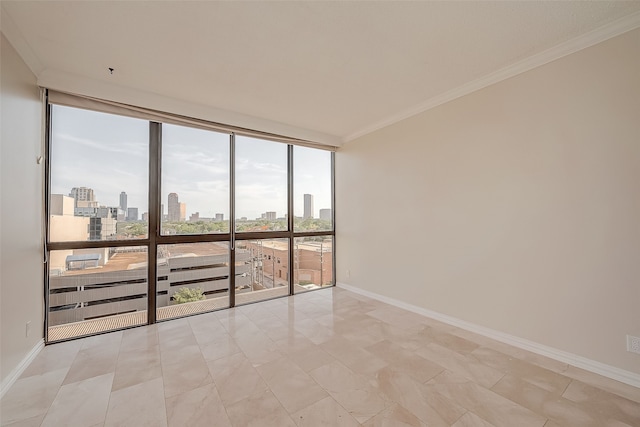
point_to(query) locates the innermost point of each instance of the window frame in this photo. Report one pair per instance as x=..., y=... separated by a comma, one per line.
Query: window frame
x=154, y=237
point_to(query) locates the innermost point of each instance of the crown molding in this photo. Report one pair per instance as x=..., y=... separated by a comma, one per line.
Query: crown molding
x=591, y=38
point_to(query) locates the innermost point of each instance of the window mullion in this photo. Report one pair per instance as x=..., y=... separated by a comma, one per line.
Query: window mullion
x=155, y=216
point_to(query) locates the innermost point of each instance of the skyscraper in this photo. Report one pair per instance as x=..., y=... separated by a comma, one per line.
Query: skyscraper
x=308, y=206
x=173, y=209
x=123, y=201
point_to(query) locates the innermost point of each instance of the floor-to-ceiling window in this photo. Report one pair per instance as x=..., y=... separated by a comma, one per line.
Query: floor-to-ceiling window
x=149, y=221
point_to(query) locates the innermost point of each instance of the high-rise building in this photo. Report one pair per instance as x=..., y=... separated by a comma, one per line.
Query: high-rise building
x=325, y=214
x=173, y=210
x=219, y=217
x=123, y=201
x=308, y=206
x=183, y=211
x=271, y=215
x=132, y=214
x=83, y=194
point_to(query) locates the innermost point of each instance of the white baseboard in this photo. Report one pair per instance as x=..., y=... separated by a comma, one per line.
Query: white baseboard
x=603, y=369
x=18, y=370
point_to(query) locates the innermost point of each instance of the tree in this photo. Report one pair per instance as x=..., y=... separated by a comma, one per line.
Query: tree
x=183, y=295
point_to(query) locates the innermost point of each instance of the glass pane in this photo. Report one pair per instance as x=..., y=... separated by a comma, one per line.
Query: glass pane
x=195, y=181
x=192, y=278
x=99, y=176
x=96, y=290
x=261, y=185
x=261, y=269
x=312, y=189
x=312, y=263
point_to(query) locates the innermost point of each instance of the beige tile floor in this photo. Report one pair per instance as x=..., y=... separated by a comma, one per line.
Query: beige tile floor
x=324, y=358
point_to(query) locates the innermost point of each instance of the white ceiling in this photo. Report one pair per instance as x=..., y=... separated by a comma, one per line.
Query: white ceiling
x=328, y=71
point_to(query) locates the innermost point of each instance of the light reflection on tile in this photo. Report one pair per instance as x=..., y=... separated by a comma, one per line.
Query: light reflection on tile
x=328, y=357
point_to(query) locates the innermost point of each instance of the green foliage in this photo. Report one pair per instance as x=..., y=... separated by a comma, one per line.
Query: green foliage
x=133, y=229
x=140, y=228
x=262, y=225
x=183, y=295
x=195, y=227
x=312, y=224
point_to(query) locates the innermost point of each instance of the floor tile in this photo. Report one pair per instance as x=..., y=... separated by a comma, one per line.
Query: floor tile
x=259, y=410
x=465, y=365
x=329, y=357
x=417, y=398
x=608, y=405
x=53, y=357
x=472, y=420
x=541, y=377
x=200, y=407
x=396, y=416
x=488, y=405
x=404, y=360
x=324, y=413
x=139, y=405
x=31, y=396
x=29, y=422
x=235, y=378
x=137, y=365
x=80, y=404
x=292, y=386
x=92, y=361
x=549, y=404
x=352, y=391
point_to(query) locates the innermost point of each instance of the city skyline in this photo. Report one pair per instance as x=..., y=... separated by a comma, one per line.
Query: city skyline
x=109, y=154
x=133, y=213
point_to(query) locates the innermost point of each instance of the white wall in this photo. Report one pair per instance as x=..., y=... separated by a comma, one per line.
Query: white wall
x=21, y=285
x=516, y=207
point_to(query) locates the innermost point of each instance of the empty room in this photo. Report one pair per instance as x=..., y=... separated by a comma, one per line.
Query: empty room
x=376, y=213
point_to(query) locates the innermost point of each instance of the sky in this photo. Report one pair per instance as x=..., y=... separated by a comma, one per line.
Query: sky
x=109, y=154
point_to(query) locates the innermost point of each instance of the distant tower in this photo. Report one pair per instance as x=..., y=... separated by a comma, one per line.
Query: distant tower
x=123, y=201
x=173, y=210
x=308, y=206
